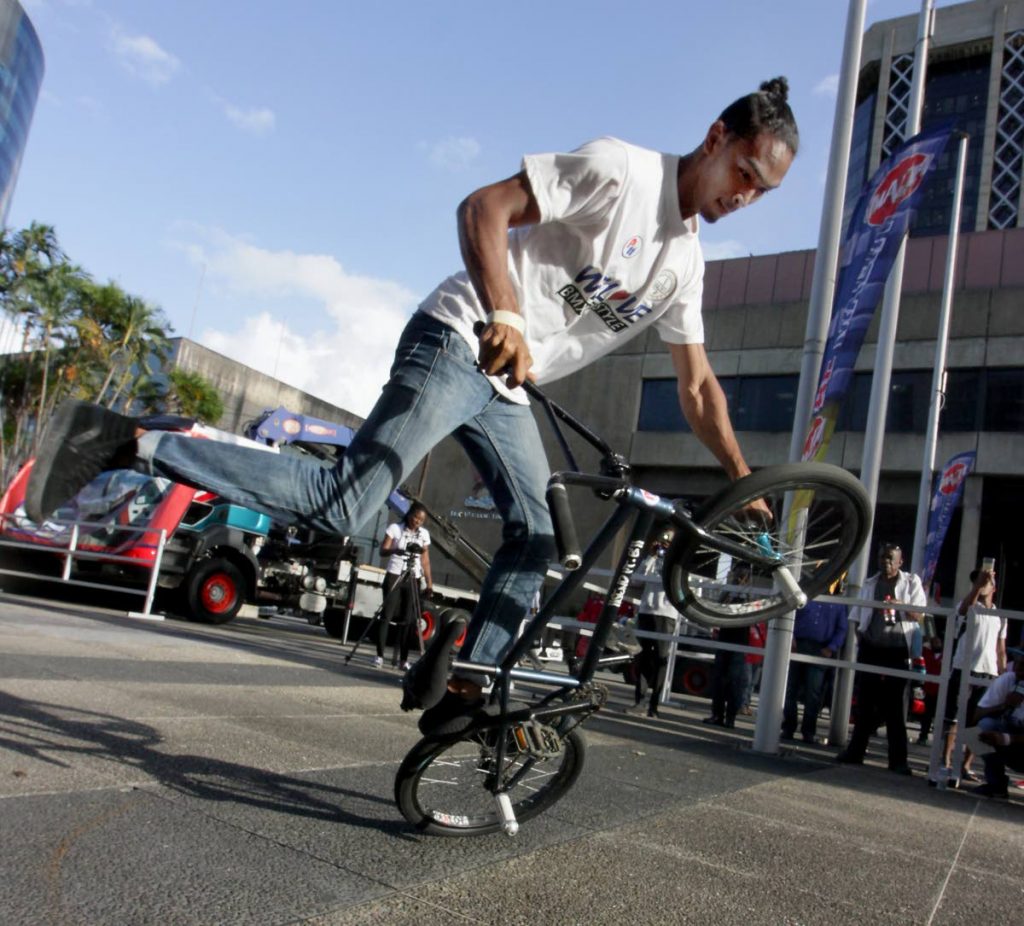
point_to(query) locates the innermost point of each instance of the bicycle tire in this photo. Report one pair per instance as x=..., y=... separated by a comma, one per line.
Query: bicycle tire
x=838, y=522
x=441, y=788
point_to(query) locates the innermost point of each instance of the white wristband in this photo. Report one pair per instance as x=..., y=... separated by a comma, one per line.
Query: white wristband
x=512, y=319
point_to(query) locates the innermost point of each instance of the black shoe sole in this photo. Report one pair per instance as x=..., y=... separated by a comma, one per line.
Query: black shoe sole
x=81, y=441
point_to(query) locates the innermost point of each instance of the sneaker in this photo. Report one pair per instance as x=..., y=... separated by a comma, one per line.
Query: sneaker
x=847, y=758
x=405, y=666
x=716, y=721
x=81, y=441
x=452, y=714
x=903, y=769
x=378, y=662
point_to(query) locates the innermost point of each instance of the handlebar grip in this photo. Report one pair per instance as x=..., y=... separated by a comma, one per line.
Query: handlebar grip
x=566, y=541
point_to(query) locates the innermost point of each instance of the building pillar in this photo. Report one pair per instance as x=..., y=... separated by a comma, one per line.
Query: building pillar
x=995, y=83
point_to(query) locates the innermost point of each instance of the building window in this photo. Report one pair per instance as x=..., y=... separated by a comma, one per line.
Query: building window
x=955, y=91
x=1007, y=159
x=1004, y=400
x=975, y=400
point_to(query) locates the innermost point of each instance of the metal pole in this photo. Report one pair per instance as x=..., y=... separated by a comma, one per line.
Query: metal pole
x=72, y=549
x=780, y=631
x=939, y=373
x=874, y=435
x=155, y=572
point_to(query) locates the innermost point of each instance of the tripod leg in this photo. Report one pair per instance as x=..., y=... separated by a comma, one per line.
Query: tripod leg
x=379, y=615
x=417, y=614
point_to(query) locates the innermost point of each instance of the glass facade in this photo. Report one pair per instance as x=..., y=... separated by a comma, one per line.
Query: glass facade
x=955, y=91
x=976, y=400
x=21, y=74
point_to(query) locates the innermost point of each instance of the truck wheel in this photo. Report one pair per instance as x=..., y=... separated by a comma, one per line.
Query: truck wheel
x=455, y=614
x=427, y=625
x=334, y=622
x=214, y=591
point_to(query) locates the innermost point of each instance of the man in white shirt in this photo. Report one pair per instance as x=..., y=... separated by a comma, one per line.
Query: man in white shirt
x=564, y=262
x=1000, y=715
x=884, y=637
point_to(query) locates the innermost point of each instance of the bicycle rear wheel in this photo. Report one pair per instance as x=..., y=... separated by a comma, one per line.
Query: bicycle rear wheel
x=829, y=522
x=443, y=785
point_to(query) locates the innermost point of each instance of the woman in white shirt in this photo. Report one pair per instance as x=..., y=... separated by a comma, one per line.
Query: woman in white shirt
x=408, y=544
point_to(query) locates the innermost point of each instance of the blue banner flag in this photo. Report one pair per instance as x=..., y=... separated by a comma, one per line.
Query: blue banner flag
x=948, y=489
x=877, y=227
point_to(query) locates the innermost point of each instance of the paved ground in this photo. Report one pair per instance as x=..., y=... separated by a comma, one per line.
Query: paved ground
x=173, y=773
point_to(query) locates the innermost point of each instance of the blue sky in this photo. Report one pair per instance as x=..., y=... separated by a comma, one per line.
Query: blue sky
x=281, y=179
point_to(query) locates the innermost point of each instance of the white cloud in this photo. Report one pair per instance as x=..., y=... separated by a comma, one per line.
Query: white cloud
x=144, y=58
x=256, y=121
x=828, y=86
x=451, y=153
x=343, y=355
x=723, y=250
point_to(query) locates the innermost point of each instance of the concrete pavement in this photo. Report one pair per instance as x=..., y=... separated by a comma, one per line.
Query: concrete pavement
x=166, y=772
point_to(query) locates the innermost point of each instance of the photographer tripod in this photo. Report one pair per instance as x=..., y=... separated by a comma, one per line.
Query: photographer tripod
x=407, y=581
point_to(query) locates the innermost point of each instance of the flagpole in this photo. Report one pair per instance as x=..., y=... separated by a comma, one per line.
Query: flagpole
x=874, y=434
x=823, y=283
x=939, y=372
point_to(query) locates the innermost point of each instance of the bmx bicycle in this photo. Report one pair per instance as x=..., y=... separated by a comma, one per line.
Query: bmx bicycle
x=510, y=760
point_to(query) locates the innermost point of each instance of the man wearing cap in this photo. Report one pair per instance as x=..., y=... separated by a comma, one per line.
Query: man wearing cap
x=1000, y=715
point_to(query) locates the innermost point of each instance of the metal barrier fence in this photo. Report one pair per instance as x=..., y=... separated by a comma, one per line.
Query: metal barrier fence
x=71, y=551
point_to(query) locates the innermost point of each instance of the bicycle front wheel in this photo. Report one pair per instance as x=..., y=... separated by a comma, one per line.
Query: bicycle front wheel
x=444, y=786
x=829, y=521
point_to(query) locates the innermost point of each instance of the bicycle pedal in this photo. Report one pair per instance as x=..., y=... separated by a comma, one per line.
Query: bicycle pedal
x=536, y=738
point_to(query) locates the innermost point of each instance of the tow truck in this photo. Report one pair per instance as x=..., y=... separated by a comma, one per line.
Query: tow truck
x=218, y=555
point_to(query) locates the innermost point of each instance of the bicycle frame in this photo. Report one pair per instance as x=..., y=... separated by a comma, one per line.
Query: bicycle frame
x=646, y=509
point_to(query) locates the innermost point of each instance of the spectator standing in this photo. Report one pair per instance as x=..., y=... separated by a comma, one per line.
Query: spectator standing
x=657, y=615
x=819, y=629
x=405, y=544
x=731, y=671
x=985, y=662
x=884, y=636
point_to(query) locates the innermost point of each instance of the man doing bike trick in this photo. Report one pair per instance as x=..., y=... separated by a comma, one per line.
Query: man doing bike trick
x=564, y=262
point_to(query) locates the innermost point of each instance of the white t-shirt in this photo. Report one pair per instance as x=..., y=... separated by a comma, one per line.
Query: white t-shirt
x=610, y=257
x=654, y=600
x=999, y=691
x=401, y=536
x=989, y=628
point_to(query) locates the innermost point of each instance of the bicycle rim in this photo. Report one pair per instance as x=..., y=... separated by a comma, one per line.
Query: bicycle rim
x=443, y=786
x=828, y=524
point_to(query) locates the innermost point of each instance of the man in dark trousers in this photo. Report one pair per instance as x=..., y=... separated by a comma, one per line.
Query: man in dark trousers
x=884, y=638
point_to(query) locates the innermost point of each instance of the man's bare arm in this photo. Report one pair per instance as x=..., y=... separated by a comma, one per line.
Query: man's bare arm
x=484, y=218
x=703, y=403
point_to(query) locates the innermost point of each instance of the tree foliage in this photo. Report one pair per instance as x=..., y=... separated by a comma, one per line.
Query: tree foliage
x=63, y=335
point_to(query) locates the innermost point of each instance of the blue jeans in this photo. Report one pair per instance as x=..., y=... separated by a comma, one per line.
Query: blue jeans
x=434, y=390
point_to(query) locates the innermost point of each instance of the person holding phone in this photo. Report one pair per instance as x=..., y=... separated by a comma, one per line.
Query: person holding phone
x=986, y=661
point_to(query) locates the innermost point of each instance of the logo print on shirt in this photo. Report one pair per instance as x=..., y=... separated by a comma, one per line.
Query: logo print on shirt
x=602, y=295
x=632, y=247
x=663, y=286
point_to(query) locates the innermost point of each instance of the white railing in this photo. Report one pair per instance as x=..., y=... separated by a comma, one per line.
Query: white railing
x=70, y=551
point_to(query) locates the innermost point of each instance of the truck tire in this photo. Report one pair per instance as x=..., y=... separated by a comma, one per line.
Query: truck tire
x=333, y=621
x=455, y=614
x=214, y=591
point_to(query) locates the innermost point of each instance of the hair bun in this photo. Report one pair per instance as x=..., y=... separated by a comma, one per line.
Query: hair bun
x=777, y=87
